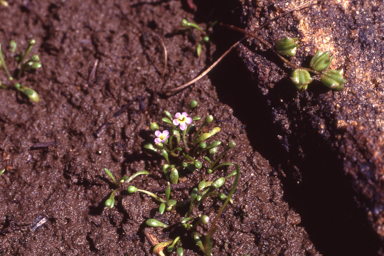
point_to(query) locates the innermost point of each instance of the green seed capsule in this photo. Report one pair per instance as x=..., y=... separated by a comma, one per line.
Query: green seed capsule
x=287, y=46
x=150, y=147
x=156, y=223
x=164, y=153
x=32, y=42
x=222, y=196
x=321, y=61
x=231, y=144
x=209, y=171
x=13, y=46
x=203, y=137
x=203, y=145
x=301, y=78
x=201, y=185
x=110, y=203
x=198, y=50
x=32, y=95
x=171, y=202
x=215, y=130
x=162, y=208
x=218, y=183
x=209, y=119
x=180, y=251
x=333, y=79
x=184, y=23
x=198, y=165
x=206, y=39
x=193, y=104
x=168, y=192
x=131, y=189
x=35, y=58
x=204, y=219
x=174, y=176
x=154, y=126
x=213, y=151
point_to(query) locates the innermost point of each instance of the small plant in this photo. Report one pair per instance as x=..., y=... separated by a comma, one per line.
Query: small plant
x=203, y=38
x=23, y=65
x=286, y=46
x=2, y=171
x=319, y=64
x=187, y=149
x=110, y=202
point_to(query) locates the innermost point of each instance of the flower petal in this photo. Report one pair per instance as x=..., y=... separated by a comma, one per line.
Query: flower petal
x=166, y=133
x=188, y=120
x=183, y=126
x=185, y=114
x=158, y=133
x=176, y=122
x=177, y=115
x=157, y=141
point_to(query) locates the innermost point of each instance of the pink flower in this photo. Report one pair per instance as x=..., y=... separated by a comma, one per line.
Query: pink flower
x=161, y=136
x=182, y=120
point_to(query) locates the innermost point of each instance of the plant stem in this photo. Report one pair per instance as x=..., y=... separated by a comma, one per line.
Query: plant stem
x=261, y=40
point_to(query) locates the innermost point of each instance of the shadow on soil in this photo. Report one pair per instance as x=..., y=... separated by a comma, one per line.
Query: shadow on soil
x=324, y=198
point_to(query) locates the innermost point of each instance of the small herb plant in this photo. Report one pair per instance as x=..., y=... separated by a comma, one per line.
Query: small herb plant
x=186, y=149
x=319, y=65
x=23, y=65
x=110, y=202
x=203, y=38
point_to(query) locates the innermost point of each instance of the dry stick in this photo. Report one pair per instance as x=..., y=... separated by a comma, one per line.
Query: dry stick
x=261, y=40
x=257, y=38
x=153, y=241
x=91, y=76
x=165, y=55
x=206, y=71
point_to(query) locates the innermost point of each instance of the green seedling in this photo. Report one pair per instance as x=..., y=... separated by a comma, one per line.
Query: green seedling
x=185, y=149
x=110, y=202
x=31, y=94
x=23, y=65
x=285, y=46
x=203, y=39
x=2, y=171
x=132, y=189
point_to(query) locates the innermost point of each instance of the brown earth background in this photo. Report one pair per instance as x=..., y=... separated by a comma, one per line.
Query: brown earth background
x=311, y=180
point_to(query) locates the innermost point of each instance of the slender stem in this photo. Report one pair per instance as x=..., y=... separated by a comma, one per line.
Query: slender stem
x=4, y=65
x=152, y=195
x=226, y=200
x=185, y=141
x=198, y=132
x=261, y=40
x=170, y=142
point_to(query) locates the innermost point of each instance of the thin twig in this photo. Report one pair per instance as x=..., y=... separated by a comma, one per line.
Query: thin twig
x=206, y=71
x=257, y=38
x=261, y=40
x=153, y=241
x=91, y=76
x=165, y=55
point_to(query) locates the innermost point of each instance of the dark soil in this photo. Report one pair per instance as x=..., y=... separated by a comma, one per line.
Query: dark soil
x=98, y=58
x=100, y=87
